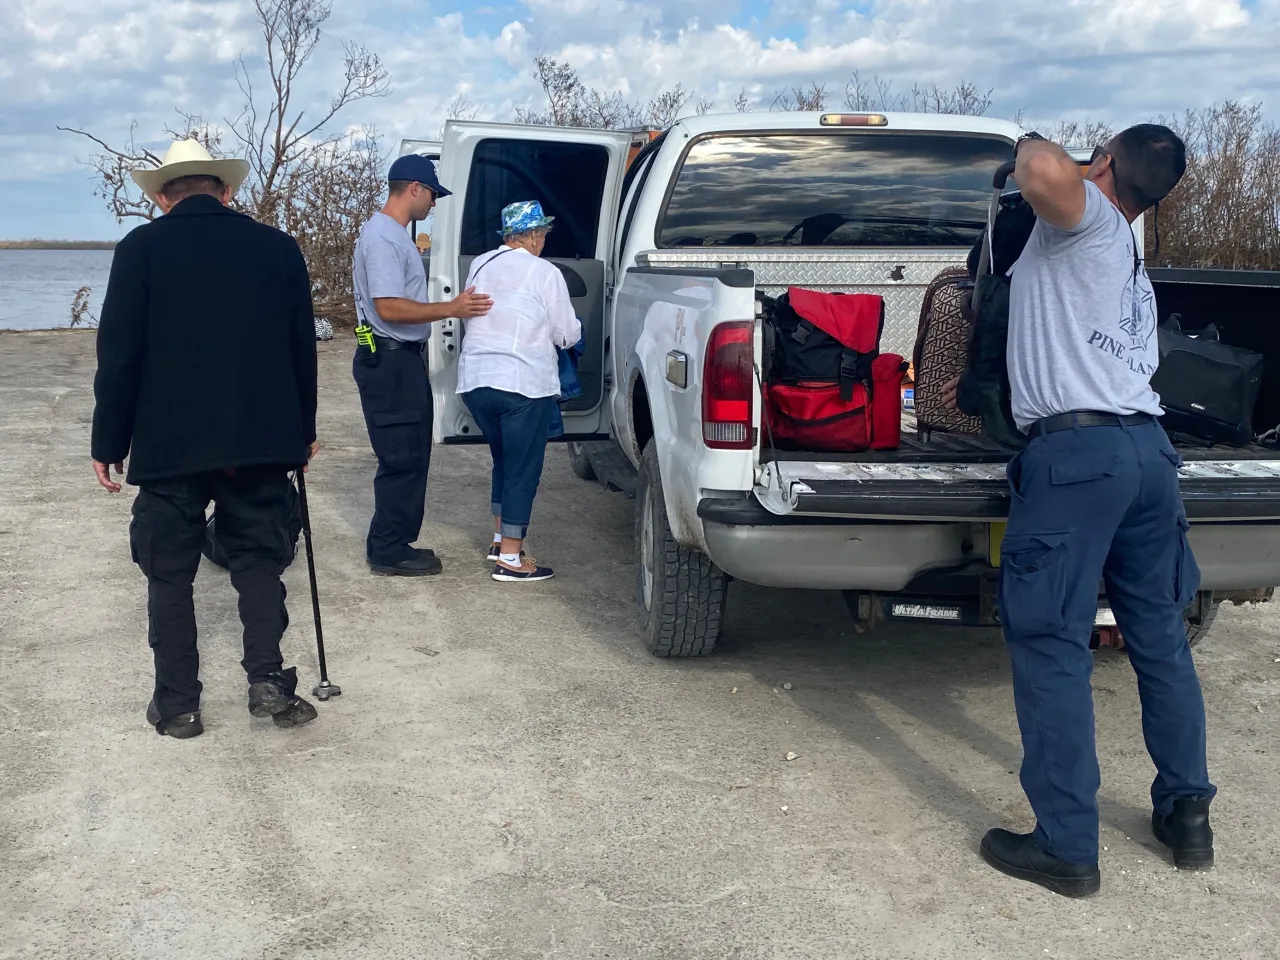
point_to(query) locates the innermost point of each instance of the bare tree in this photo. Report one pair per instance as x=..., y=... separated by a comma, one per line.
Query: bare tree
x=274, y=132
x=876, y=93
x=564, y=92
x=608, y=111
x=294, y=162
x=113, y=166
x=1078, y=134
x=742, y=103
x=704, y=106
x=571, y=103
x=665, y=108
x=459, y=108
x=873, y=93
x=800, y=98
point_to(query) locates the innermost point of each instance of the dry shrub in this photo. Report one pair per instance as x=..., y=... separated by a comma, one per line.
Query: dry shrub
x=876, y=93
x=327, y=197
x=1226, y=211
x=81, y=315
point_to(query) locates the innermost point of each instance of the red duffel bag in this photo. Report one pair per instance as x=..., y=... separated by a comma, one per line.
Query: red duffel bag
x=814, y=416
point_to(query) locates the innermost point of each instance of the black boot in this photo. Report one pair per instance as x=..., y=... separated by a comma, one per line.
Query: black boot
x=182, y=727
x=425, y=564
x=278, y=701
x=1187, y=833
x=1018, y=855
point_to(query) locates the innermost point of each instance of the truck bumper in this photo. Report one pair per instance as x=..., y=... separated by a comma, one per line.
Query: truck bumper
x=752, y=544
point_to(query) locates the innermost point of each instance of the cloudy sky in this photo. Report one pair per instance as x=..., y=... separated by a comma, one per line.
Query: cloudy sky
x=104, y=64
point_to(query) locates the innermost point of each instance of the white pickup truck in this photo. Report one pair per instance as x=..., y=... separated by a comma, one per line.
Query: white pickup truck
x=664, y=256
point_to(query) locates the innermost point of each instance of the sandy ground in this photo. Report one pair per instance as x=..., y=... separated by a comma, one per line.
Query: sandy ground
x=509, y=775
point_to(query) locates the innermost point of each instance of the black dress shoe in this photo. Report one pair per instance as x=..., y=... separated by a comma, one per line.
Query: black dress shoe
x=182, y=727
x=1187, y=833
x=284, y=708
x=417, y=566
x=1018, y=855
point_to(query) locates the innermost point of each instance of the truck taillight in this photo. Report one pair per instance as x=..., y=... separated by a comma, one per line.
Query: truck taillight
x=728, y=386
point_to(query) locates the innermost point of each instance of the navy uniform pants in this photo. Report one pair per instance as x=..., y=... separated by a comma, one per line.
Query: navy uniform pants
x=398, y=411
x=1091, y=504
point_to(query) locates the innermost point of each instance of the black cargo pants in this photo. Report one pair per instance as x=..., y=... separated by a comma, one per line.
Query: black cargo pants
x=398, y=410
x=167, y=534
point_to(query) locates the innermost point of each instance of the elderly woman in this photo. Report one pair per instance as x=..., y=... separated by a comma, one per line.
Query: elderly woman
x=508, y=375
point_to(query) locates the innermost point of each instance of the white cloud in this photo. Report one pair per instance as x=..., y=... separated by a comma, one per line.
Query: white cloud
x=103, y=63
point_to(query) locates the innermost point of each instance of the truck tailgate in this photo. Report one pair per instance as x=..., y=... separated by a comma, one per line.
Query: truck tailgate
x=1213, y=490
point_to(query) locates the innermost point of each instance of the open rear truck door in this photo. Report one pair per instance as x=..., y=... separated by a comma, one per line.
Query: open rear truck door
x=577, y=176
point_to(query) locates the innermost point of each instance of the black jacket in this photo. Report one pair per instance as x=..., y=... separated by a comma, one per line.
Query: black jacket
x=206, y=347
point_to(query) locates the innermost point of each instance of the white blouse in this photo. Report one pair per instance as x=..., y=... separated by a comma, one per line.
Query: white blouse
x=513, y=346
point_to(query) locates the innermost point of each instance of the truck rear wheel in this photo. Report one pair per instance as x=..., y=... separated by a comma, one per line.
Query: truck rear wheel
x=1198, y=628
x=579, y=462
x=1198, y=619
x=680, y=593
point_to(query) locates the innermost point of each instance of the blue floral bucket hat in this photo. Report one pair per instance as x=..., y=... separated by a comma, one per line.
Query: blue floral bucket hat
x=522, y=217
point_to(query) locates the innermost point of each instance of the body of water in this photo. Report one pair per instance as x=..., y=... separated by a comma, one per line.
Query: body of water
x=37, y=286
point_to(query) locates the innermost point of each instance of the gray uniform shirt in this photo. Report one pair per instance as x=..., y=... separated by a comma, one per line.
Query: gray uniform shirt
x=387, y=264
x=1082, y=320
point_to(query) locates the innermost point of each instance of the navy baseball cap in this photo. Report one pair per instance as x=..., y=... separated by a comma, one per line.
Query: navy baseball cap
x=414, y=167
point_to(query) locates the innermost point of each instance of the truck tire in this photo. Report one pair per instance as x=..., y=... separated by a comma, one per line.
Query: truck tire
x=578, y=461
x=1197, y=631
x=680, y=593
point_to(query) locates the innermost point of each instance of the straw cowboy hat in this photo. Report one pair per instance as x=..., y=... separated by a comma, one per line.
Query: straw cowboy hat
x=189, y=158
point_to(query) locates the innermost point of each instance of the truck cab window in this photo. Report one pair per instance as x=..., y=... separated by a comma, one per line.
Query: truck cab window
x=567, y=178
x=843, y=189
x=631, y=198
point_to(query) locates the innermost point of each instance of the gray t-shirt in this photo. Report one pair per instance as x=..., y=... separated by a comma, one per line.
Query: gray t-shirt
x=1082, y=320
x=387, y=264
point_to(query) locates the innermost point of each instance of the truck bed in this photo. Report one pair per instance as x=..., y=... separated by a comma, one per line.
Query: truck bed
x=940, y=447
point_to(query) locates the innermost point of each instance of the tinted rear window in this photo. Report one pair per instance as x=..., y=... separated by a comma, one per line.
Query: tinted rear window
x=567, y=178
x=865, y=189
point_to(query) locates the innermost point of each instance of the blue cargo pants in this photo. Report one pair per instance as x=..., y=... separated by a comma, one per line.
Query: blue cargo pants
x=1091, y=504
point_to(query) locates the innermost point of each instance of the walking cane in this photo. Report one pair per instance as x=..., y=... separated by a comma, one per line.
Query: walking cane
x=324, y=689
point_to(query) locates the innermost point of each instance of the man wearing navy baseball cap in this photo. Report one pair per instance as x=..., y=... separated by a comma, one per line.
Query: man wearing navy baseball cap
x=390, y=286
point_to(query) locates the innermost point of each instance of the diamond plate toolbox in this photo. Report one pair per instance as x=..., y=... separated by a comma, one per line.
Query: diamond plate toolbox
x=899, y=276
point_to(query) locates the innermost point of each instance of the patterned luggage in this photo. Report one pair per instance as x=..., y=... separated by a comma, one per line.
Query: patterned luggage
x=942, y=340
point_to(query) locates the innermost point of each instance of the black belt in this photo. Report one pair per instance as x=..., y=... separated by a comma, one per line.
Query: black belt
x=390, y=343
x=1087, y=418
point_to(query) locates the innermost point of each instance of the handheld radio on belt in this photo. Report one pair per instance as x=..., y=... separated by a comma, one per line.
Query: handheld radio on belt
x=366, y=347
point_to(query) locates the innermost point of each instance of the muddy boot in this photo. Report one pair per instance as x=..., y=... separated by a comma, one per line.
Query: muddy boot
x=275, y=700
x=182, y=727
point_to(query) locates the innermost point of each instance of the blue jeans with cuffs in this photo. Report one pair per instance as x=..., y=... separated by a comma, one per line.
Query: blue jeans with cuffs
x=516, y=429
x=1090, y=504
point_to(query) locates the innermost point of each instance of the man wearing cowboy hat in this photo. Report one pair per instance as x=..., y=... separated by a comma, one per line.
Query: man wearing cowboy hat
x=390, y=288
x=206, y=381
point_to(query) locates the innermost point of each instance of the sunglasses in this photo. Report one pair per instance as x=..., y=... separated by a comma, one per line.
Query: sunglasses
x=1099, y=152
